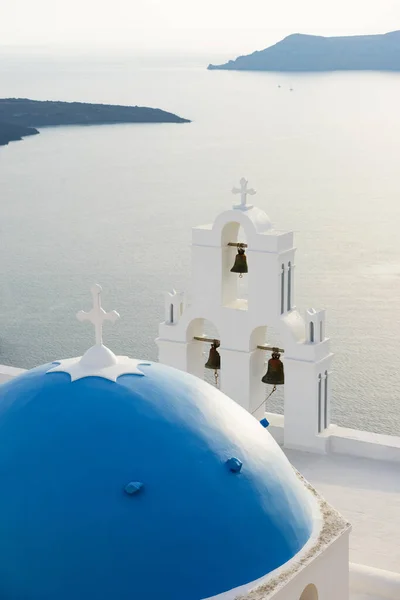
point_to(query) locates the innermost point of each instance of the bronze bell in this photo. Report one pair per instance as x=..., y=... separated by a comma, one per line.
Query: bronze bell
x=240, y=265
x=214, y=359
x=274, y=374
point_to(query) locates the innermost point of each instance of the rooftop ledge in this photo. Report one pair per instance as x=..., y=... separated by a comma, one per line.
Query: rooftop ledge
x=342, y=440
x=332, y=526
x=367, y=436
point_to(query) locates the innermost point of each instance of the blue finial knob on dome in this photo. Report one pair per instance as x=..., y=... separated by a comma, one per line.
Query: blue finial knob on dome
x=234, y=464
x=133, y=487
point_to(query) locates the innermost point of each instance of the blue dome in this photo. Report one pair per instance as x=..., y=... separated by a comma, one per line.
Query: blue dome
x=70, y=528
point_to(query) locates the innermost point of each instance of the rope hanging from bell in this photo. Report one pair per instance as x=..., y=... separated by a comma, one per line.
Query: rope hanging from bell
x=267, y=398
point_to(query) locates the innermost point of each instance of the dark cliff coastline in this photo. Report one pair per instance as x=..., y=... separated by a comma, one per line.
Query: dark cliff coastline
x=13, y=133
x=19, y=116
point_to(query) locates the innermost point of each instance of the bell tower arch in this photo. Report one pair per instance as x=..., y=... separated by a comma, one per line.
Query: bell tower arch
x=243, y=323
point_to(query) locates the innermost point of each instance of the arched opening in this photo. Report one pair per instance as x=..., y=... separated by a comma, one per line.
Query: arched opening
x=289, y=286
x=234, y=285
x=171, y=313
x=312, y=331
x=309, y=593
x=258, y=337
x=283, y=289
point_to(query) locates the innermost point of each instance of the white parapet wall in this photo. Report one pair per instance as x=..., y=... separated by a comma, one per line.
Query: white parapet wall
x=7, y=373
x=374, y=583
x=350, y=442
x=365, y=444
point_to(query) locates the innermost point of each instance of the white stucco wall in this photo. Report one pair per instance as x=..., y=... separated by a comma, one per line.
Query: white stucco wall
x=341, y=440
x=329, y=573
x=365, y=444
x=374, y=583
x=242, y=323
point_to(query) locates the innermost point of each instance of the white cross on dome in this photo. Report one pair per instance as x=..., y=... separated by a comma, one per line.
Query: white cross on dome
x=97, y=315
x=98, y=361
x=244, y=190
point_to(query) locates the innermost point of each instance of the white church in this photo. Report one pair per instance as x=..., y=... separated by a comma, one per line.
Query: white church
x=129, y=479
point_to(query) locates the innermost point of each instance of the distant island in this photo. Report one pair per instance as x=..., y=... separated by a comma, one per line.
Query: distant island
x=300, y=52
x=19, y=117
x=14, y=133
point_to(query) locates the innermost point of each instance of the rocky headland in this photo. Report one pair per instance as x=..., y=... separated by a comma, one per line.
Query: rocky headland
x=300, y=52
x=20, y=117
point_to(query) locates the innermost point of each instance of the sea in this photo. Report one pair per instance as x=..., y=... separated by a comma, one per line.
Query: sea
x=115, y=204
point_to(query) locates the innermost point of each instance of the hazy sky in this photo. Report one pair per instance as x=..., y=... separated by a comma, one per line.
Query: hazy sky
x=195, y=25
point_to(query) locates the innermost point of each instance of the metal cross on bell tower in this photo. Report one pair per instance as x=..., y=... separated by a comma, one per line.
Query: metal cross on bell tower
x=97, y=315
x=244, y=190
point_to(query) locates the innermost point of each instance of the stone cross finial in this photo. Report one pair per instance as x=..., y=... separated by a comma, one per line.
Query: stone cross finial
x=97, y=315
x=243, y=191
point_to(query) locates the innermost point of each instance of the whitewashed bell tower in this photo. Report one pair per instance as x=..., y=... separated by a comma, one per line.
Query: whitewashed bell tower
x=242, y=322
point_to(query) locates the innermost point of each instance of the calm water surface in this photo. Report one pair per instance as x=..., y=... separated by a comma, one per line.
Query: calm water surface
x=115, y=204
